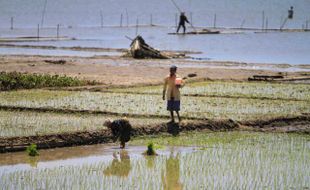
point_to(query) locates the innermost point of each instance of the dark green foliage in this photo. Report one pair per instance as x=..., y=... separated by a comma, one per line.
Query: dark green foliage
x=15, y=80
x=32, y=150
x=150, y=149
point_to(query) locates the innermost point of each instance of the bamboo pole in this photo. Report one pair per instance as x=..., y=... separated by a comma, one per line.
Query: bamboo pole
x=151, y=20
x=12, y=23
x=263, y=20
x=57, y=31
x=214, y=21
x=101, y=19
x=242, y=23
x=121, y=21
x=43, y=13
x=38, y=32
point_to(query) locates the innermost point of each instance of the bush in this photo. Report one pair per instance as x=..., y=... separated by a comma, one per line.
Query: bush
x=32, y=150
x=15, y=80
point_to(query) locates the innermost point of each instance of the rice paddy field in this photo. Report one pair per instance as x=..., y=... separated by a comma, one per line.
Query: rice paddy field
x=221, y=160
x=195, y=160
x=239, y=101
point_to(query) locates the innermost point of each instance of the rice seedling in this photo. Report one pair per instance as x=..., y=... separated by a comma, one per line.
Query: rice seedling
x=245, y=161
x=32, y=150
x=150, y=149
x=14, y=124
x=235, y=90
x=146, y=105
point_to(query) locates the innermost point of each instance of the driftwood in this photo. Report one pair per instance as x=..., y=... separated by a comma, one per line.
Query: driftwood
x=278, y=78
x=140, y=50
x=265, y=77
x=59, y=62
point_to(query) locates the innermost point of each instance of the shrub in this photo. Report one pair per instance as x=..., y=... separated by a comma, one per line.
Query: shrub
x=15, y=80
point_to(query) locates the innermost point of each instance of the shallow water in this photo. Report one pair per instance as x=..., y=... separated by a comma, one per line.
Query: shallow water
x=84, y=22
x=35, y=51
x=238, y=160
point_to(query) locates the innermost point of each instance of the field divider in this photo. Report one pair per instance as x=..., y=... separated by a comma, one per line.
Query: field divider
x=211, y=96
x=13, y=144
x=91, y=112
x=280, y=124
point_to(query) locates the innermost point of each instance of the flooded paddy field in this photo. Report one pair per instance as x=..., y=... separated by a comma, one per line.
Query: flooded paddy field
x=217, y=160
x=65, y=117
x=200, y=101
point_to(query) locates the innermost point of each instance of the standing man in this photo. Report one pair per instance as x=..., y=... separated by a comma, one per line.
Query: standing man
x=172, y=85
x=290, y=13
x=182, y=21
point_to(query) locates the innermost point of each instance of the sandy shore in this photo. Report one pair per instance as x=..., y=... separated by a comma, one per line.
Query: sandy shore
x=110, y=70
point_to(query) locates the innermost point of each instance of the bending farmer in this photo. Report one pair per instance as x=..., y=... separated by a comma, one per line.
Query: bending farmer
x=182, y=21
x=172, y=85
x=121, y=129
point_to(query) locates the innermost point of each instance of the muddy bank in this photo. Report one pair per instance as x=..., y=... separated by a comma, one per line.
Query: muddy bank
x=299, y=124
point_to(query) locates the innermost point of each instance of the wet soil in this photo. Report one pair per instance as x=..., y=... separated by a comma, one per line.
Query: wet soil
x=299, y=124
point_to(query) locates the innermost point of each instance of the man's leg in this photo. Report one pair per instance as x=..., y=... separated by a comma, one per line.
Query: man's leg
x=184, y=29
x=178, y=28
x=178, y=116
x=172, y=116
x=122, y=145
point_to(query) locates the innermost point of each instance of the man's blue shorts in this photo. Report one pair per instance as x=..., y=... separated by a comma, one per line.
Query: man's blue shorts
x=173, y=105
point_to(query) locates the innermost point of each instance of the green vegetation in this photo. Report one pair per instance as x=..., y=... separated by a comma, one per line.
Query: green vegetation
x=235, y=89
x=32, y=150
x=219, y=100
x=146, y=105
x=258, y=161
x=14, y=80
x=150, y=149
x=28, y=123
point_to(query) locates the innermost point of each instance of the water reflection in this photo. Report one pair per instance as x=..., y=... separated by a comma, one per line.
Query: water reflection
x=33, y=161
x=120, y=165
x=171, y=179
x=150, y=161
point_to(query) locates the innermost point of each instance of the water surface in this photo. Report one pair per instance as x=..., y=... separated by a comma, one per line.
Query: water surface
x=238, y=160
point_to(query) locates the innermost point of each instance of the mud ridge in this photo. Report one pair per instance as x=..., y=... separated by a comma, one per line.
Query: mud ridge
x=73, y=111
x=298, y=124
x=204, y=95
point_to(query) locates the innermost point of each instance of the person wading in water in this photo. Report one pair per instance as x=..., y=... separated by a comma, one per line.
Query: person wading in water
x=172, y=85
x=182, y=21
x=121, y=130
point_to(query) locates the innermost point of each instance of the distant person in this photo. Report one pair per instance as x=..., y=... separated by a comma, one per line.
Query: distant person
x=121, y=129
x=291, y=13
x=182, y=21
x=172, y=85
